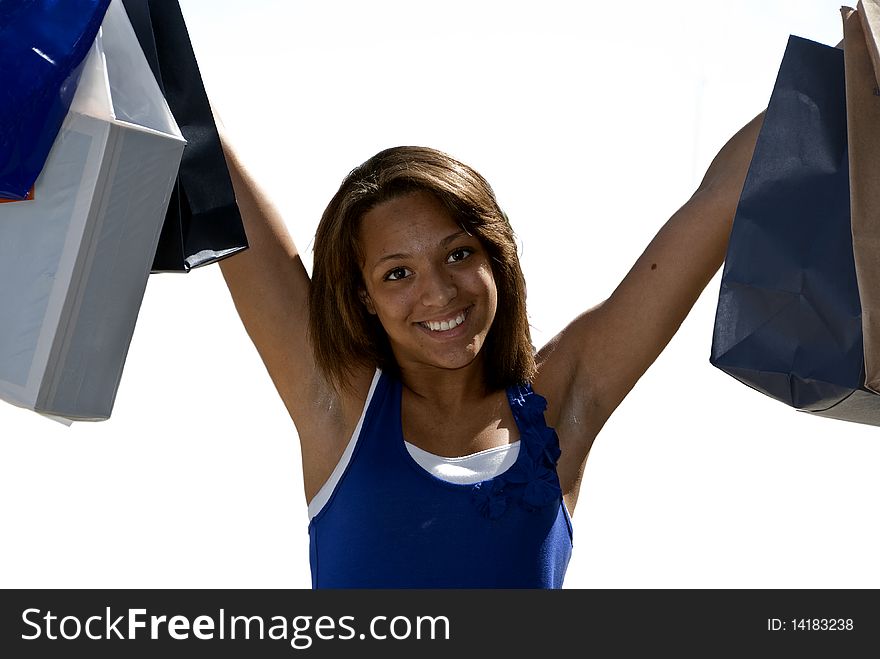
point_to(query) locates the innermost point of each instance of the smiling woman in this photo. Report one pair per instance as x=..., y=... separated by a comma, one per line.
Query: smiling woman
x=593, y=122
x=376, y=211
x=408, y=351
x=436, y=300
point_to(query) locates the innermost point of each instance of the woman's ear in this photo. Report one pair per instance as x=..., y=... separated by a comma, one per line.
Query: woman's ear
x=367, y=301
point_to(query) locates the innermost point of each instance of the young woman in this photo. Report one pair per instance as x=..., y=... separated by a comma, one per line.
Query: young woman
x=439, y=448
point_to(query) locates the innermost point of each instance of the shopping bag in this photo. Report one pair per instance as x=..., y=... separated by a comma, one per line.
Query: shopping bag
x=203, y=224
x=788, y=321
x=863, y=134
x=869, y=15
x=42, y=46
x=75, y=260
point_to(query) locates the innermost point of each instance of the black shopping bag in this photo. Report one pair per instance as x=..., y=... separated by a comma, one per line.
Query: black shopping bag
x=203, y=224
x=788, y=321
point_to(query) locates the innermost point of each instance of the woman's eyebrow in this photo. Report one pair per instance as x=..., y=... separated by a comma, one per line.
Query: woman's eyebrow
x=452, y=238
x=390, y=257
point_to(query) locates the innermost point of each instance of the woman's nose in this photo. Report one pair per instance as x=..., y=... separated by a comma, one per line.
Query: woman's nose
x=438, y=288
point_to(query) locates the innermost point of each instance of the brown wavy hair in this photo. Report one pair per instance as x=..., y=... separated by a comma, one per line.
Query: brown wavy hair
x=343, y=334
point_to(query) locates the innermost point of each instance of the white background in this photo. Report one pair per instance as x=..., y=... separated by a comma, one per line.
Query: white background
x=594, y=122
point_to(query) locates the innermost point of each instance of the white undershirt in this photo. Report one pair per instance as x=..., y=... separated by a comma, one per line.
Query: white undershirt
x=471, y=468
x=466, y=469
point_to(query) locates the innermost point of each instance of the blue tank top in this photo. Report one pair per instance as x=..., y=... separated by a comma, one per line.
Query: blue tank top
x=389, y=523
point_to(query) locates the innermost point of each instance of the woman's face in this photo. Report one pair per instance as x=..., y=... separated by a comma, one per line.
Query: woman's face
x=428, y=281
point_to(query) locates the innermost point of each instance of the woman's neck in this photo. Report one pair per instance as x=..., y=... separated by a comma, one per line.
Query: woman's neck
x=452, y=413
x=446, y=389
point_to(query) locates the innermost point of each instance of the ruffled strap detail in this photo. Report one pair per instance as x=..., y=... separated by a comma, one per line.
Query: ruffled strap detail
x=532, y=482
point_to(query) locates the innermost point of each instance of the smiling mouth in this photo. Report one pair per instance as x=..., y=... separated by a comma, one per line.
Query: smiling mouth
x=446, y=325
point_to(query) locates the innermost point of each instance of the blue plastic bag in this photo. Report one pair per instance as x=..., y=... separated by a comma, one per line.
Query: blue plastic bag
x=788, y=321
x=42, y=46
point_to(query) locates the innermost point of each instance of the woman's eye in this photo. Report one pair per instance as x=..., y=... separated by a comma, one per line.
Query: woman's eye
x=460, y=254
x=397, y=273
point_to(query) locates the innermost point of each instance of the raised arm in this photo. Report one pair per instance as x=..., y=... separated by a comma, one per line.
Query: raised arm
x=270, y=287
x=590, y=367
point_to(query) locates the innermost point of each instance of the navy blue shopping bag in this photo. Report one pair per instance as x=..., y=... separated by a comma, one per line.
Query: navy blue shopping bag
x=42, y=46
x=788, y=321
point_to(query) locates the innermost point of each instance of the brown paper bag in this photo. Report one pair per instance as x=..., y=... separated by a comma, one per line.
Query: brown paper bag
x=862, y=57
x=869, y=13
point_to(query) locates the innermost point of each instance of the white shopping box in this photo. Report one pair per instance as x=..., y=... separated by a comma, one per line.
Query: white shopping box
x=74, y=261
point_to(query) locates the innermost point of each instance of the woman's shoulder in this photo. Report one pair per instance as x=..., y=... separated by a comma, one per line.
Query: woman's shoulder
x=564, y=377
x=327, y=413
x=573, y=408
x=326, y=430
x=350, y=397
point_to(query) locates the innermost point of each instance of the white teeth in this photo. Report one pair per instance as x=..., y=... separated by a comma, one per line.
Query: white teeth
x=444, y=325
